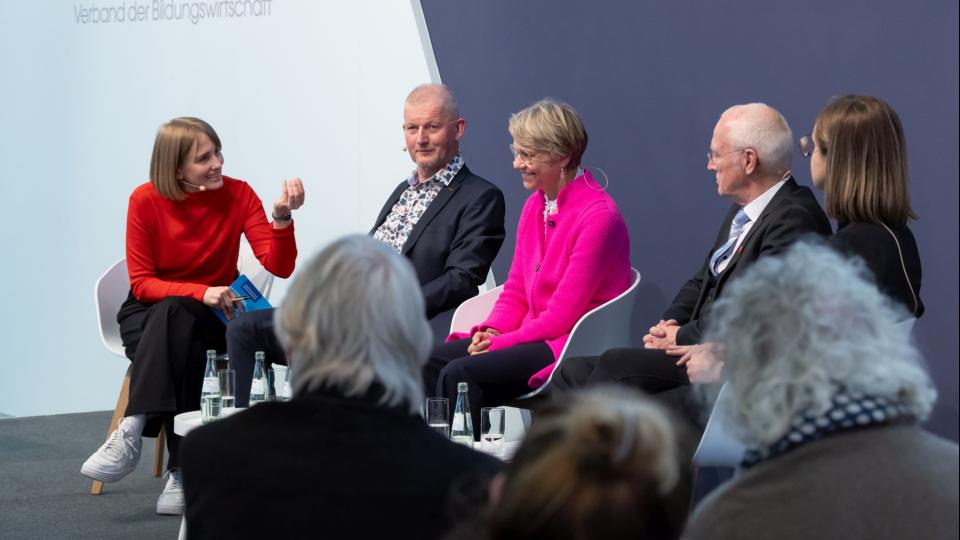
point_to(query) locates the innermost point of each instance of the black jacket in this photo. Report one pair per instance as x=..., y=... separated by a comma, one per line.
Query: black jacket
x=323, y=466
x=455, y=241
x=791, y=214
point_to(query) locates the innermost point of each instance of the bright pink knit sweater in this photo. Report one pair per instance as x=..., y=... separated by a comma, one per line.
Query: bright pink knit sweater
x=562, y=271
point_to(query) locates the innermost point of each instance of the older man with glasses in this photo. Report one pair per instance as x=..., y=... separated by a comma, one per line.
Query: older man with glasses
x=750, y=155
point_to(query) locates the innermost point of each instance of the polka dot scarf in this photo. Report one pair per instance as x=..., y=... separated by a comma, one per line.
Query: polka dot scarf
x=849, y=410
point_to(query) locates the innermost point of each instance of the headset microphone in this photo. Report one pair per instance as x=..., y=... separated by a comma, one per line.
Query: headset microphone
x=201, y=188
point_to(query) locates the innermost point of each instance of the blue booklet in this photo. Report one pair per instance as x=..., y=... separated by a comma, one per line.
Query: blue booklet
x=253, y=299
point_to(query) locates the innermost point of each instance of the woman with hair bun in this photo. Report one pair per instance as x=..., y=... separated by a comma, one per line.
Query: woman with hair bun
x=609, y=463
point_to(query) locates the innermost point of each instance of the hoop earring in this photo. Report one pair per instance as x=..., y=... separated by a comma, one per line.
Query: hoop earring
x=605, y=177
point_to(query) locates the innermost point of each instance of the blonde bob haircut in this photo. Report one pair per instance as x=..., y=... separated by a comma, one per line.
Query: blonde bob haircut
x=170, y=149
x=861, y=140
x=553, y=127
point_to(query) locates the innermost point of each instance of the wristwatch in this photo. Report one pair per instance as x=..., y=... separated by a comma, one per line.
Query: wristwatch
x=285, y=217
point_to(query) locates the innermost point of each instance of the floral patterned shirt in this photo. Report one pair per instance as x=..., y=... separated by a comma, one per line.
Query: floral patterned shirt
x=413, y=202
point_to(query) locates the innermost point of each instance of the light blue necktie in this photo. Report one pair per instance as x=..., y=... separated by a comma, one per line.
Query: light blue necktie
x=739, y=221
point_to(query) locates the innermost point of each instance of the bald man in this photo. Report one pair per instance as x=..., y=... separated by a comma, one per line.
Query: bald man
x=750, y=155
x=446, y=220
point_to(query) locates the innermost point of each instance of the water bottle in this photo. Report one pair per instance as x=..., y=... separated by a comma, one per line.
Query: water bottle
x=258, y=386
x=210, y=394
x=462, y=429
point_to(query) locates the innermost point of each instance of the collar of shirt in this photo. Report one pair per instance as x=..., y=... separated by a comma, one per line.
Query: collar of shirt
x=444, y=175
x=756, y=206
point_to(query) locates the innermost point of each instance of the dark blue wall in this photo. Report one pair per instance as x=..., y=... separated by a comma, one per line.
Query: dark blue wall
x=651, y=78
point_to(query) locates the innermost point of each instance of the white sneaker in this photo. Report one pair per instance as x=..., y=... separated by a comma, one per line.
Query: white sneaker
x=116, y=458
x=170, y=502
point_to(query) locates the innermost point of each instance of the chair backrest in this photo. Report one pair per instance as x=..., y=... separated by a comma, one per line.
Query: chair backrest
x=474, y=310
x=605, y=327
x=906, y=325
x=718, y=446
x=109, y=293
x=489, y=284
x=248, y=265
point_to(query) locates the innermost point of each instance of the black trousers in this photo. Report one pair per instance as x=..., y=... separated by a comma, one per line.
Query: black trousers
x=248, y=333
x=167, y=343
x=493, y=378
x=649, y=370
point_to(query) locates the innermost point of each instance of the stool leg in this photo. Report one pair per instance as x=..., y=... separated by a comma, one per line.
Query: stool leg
x=118, y=411
x=158, y=453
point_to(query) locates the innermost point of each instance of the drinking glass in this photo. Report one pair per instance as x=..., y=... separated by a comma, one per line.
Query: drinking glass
x=437, y=415
x=269, y=392
x=491, y=429
x=228, y=387
x=281, y=382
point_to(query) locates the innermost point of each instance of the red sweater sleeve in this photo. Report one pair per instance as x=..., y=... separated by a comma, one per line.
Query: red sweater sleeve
x=276, y=249
x=142, y=222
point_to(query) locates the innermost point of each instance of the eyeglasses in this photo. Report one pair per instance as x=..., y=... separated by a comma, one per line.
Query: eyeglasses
x=523, y=155
x=432, y=128
x=807, y=146
x=714, y=156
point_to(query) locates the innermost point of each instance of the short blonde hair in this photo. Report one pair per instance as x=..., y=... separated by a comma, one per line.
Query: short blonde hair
x=170, y=148
x=608, y=463
x=553, y=127
x=861, y=139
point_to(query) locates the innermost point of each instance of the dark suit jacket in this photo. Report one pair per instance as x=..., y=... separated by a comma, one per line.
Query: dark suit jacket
x=323, y=466
x=455, y=240
x=792, y=213
x=876, y=247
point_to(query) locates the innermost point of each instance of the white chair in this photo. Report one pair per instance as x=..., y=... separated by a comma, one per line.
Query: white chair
x=111, y=291
x=489, y=284
x=605, y=327
x=718, y=446
x=248, y=265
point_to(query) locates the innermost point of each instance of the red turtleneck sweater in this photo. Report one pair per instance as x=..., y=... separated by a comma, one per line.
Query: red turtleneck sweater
x=181, y=248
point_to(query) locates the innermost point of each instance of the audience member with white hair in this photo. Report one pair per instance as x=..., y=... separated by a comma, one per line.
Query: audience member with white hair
x=604, y=463
x=348, y=456
x=828, y=393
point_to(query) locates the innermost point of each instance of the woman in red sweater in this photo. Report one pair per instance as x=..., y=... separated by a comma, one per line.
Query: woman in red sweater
x=572, y=255
x=183, y=231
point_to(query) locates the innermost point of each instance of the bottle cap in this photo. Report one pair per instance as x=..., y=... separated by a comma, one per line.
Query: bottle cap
x=259, y=355
x=461, y=387
x=211, y=353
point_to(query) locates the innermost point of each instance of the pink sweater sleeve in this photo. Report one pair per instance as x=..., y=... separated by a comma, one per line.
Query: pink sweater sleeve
x=598, y=234
x=511, y=306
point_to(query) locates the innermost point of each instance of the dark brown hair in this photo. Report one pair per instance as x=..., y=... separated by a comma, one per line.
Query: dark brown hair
x=861, y=140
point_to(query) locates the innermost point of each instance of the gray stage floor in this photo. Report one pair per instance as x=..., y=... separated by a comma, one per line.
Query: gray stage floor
x=43, y=495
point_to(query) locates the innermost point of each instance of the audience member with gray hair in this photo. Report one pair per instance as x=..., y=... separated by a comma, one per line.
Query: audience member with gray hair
x=750, y=158
x=348, y=456
x=828, y=392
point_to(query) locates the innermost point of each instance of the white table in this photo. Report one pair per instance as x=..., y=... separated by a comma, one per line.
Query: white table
x=183, y=423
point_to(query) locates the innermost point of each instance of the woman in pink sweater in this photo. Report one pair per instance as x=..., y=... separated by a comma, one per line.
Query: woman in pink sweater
x=572, y=255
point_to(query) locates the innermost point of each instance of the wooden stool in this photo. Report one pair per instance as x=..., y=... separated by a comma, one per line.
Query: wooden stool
x=115, y=421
